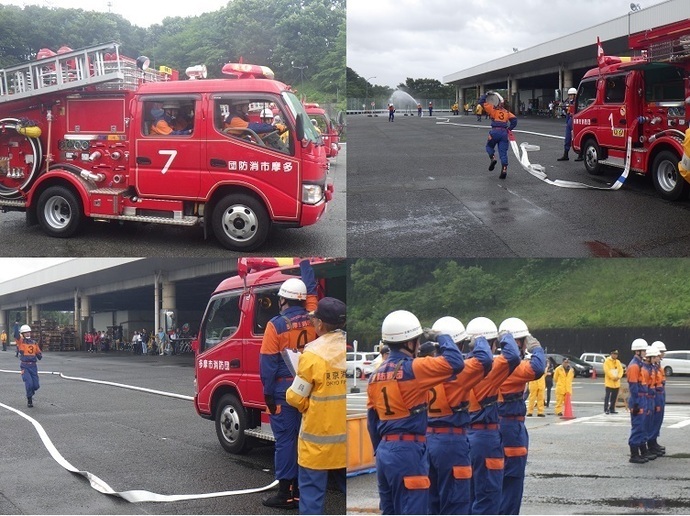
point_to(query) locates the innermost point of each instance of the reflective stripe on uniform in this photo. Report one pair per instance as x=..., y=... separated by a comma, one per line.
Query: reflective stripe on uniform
x=323, y=439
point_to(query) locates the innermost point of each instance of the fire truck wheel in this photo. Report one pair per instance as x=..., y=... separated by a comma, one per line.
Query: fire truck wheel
x=592, y=156
x=59, y=212
x=231, y=422
x=240, y=222
x=667, y=180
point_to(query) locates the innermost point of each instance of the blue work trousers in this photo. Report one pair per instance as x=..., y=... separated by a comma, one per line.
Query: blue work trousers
x=285, y=426
x=515, y=445
x=30, y=378
x=568, y=133
x=396, y=461
x=312, y=488
x=498, y=136
x=638, y=433
x=486, y=454
x=450, y=473
x=660, y=401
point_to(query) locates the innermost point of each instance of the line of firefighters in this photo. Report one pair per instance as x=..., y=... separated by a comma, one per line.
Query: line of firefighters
x=448, y=432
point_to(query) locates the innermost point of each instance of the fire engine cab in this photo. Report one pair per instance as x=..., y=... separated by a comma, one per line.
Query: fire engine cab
x=227, y=380
x=93, y=134
x=641, y=98
x=329, y=132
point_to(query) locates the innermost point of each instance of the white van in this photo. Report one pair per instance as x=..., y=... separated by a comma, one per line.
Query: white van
x=676, y=362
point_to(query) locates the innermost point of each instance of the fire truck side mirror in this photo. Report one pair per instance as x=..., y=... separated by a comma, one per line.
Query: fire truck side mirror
x=300, y=127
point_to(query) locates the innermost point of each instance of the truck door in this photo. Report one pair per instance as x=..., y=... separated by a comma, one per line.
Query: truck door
x=247, y=152
x=168, y=165
x=612, y=123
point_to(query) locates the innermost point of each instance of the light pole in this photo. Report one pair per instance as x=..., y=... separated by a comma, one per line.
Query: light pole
x=366, y=88
x=301, y=75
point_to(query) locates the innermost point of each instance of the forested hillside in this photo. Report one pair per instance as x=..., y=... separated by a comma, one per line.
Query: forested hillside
x=546, y=293
x=303, y=41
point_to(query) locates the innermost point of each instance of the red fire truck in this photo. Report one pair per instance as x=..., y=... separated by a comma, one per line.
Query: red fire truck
x=329, y=132
x=77, y=141
x=227, y=381
x=641, y=98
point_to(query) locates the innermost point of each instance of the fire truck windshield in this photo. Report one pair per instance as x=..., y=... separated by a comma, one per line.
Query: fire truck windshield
x=297, y=108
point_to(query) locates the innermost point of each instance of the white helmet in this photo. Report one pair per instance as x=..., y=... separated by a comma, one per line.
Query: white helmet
x=659, y=345
x=400, y=326
x=638, y=344
x=515, y=326
x=293, y=288
x=25, y=328
x=572, y=91
x=267, y=113
x=652, y=351
x=482, y=326
x=451, y=326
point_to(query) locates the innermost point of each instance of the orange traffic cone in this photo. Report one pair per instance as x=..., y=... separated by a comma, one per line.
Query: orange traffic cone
x=568, y=411
x=594, y=374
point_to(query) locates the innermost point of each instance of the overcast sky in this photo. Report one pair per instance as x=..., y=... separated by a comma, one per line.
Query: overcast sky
x=396, y=39
x=140, y=13
x=11, y=268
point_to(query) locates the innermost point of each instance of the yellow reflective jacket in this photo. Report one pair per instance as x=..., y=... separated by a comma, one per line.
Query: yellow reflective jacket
x=563, y=380
x=613, y=372
x=684, y=165
x=322, y=437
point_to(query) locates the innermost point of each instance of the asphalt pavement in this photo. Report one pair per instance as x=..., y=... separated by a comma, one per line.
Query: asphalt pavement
x=132, y=440
x=420, y=187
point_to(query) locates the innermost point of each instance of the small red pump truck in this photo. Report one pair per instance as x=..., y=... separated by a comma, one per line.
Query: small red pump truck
x=640, y=99
x=227, y=380
x=81, y=138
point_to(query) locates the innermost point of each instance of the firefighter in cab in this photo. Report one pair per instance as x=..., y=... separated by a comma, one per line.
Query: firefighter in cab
x=29, y=353
x=163, y=123
x=397, y=411
x=292, y=329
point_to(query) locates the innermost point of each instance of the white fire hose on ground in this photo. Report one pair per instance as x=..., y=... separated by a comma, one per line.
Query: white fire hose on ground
x=133, y=496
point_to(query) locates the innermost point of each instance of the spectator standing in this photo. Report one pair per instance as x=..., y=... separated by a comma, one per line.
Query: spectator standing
x=613, y=372
x=563, y=378
x=431, y=109
x=319, y=393
x=548, y=378
x=162, y=341
x=3, y=338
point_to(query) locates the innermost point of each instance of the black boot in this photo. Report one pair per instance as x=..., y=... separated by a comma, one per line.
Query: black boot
x=635, y=456
x=579, y=157
x=29, y=402
x=294, y=490
x=493, y=163
x=504, y=172
x=656, y=448
x=564, y=157
x=647, y=453
x=283, y=498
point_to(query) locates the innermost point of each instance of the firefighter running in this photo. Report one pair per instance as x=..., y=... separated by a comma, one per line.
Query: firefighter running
x=502, y=121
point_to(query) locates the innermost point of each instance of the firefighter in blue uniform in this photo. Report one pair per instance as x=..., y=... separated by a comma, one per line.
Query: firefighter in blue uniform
x=486, y=450
x=450, y=470
x=502, y=121
x=511, y=410
x=659, y=402
x=29, y=352
x=569, y=106
x=291, y=329
x=637, y=402
x=397, y=411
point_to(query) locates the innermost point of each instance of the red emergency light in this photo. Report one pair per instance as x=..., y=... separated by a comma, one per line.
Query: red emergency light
x=248, y=71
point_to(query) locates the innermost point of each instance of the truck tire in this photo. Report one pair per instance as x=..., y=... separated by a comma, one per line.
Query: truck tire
x=231, y=422
x=667, y=180
x=59, y=212
x=240, y=222
x=591, y=153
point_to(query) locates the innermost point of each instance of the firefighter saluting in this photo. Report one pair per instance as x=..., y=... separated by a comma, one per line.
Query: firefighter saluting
x=29, y=353
x=397, y=411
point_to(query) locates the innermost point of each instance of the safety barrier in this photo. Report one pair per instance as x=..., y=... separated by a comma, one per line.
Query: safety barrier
x=360, y=452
